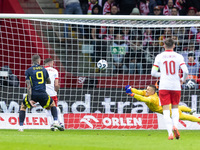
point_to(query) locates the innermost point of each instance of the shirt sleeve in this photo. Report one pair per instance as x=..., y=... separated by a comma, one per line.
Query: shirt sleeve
x=56, y=75
x=27, y=75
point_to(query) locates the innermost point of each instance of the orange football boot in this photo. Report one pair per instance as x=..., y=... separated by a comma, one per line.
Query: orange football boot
x=176, y=133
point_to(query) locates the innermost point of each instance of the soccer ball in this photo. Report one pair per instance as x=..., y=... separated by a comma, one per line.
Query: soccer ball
x=102, y=64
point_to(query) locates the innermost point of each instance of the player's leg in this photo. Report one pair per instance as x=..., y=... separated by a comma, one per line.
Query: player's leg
x=49, y=114
x=22, y=113
x=55, y=99
x=168, y=121
x=189, y=118
x=165, y=101
x=47, y=102
x=187, y=109
x=55, y=117
x=184, y=108
x=175, y=95
x=60, y=117
x=50, y=119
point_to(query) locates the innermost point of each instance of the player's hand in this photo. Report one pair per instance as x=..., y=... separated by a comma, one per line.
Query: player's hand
x=190, y=84
x=128, y=87
x=32, y=103
x=128, y=91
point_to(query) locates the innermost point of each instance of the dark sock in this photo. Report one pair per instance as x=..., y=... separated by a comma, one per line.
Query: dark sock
x=54, y=113
x=21, y=117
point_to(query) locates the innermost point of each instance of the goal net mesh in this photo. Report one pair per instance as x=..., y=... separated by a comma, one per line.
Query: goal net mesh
x=88, y=95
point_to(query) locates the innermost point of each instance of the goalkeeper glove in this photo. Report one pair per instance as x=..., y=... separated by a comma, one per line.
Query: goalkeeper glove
x=127, y=87
x=190, y=84
x=128, y=90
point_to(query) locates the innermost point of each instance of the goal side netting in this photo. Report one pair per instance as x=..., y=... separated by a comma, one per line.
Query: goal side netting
x=90, y=98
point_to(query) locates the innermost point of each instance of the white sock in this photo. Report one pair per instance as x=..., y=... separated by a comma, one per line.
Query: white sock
x=59, y=115
x=168, y=121
x=175, y=117
x=49, y=116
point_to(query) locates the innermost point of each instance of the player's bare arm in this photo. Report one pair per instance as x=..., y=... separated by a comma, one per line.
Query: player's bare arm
x=185, y=73
x=48, y=81
x=28, y=83
x=56, y=85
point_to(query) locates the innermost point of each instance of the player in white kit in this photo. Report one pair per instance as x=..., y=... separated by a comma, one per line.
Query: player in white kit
x=169, y=63
x=52, y=89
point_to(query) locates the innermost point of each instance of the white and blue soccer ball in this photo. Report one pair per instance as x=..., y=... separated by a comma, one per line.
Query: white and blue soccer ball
x=102, y=64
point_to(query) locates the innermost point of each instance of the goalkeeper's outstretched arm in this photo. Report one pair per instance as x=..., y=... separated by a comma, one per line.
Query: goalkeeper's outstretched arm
x=141, y=98
x=137, y=94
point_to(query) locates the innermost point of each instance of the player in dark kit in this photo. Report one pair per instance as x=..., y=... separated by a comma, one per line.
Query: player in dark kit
x=36, y=79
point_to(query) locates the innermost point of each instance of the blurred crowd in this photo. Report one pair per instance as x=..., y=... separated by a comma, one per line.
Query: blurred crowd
x=133, y=7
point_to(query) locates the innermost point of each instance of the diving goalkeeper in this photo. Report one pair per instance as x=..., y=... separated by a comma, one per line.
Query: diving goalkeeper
x=151, y=99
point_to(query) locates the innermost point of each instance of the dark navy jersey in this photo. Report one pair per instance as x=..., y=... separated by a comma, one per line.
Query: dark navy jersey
x=37, y=76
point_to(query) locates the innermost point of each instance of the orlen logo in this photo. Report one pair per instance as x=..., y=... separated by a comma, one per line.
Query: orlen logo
x=1, y=119
x=87, y=119
x=29, y=121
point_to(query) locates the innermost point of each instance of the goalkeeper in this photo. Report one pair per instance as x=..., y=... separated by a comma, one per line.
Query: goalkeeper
x=151, y=99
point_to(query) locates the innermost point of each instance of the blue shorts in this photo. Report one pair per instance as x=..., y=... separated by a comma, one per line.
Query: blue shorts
x=43, y=98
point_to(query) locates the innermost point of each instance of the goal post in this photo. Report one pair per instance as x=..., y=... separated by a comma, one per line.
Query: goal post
x=90, y=98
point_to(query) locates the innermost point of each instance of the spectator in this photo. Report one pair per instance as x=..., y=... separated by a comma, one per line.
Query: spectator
x=84, y=6
x=182, y=6
x=96, y=10
x=103, y=29
x=135, y=11
x=110, y=35
x=126, y=6
x=72, y=7
x=182, y=34
x=10, y=80
x=126, y=34
x=191, y=11
x=137, y=57
x=198, y=36
x=167, y=9
x=198, y=13
x=119, y=59
x=167, y=34
x=144, y=7
x=157, y=11
x=152, y=5
x=151, y=52
x=191, y=48
x=114, y=10
x=174, y=11
x=193, y=68
x=107, y=6
x=148, y=37
x=91, y=4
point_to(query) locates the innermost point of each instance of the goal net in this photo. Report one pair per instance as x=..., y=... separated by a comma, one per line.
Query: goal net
x=90, y=98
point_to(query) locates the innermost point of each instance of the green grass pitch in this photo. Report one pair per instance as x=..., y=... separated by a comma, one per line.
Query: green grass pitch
x=97, y=140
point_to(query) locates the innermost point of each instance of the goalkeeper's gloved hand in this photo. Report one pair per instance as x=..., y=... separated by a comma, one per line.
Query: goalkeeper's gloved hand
x=128, y=90
x=190, y=84
x=127, y=87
